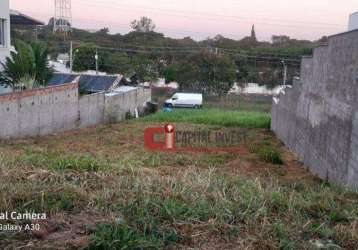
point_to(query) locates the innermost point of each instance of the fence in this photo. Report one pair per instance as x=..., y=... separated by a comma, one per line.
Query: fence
x=318, y=117
x=59, y=108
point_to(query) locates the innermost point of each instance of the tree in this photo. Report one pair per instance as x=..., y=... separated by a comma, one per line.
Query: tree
x=280, y=39
x=323, y=40
x=84, y=58
x=170, y=73
x=43, y=72
x=144, y=68
x=103, y=31
x=28, y=66
x=144, y=51
x=143, y=25
x=205, y=72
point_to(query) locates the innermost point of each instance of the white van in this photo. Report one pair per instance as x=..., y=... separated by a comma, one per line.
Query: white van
x=185, y=100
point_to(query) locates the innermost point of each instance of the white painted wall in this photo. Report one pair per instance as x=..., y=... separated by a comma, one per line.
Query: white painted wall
x=4, y=14
x=353, y=22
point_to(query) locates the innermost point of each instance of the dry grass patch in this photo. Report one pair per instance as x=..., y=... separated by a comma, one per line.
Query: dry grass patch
x=158, y=200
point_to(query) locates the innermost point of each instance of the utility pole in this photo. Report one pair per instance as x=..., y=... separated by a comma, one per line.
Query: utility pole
x=96, y=57
x=71, y=57
x=284, y=72
x=36, y=32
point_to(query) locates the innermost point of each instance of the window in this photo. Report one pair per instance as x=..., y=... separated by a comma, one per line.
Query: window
x=2, y=32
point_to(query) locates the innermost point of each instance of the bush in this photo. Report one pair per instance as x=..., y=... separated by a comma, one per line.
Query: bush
x=28, y=63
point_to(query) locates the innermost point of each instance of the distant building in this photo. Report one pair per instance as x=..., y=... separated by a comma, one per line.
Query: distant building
x=280, y=39
x=353, y=22
x=19, y=19
x=24, y=25
x=14, y=18
x=63, y=58
x=4, y=30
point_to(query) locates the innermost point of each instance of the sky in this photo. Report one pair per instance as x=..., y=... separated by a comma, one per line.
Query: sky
x=199, y=19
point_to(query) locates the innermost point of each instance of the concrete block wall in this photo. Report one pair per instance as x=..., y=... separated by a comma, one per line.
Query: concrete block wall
x=38, y=112
x=91, y=109
x=59, y=108
x=118, y=104
x=318, y=117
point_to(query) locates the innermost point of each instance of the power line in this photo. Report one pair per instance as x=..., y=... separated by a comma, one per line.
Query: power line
x=192, y=51
x=258, y=59
x=186, y=49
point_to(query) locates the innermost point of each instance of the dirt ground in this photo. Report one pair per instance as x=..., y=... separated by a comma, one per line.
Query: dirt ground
x=122, y=145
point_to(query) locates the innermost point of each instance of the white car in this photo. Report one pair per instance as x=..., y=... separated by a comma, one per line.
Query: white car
x=185, y=100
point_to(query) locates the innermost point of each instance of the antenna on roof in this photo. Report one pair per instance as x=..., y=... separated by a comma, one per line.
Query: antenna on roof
x=63, y=16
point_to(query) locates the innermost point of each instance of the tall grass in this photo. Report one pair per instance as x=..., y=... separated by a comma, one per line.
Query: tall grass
x=212, y=116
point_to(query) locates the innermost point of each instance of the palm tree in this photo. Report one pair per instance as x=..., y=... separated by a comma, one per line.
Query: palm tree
x=28, y=66
x=43, y=72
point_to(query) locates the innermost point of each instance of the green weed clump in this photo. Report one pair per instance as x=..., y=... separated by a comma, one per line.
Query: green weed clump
x=41, y=197
x=268, y=154
x=60, y=163
x=114, y=236
x=211, y=116
x=82, y=163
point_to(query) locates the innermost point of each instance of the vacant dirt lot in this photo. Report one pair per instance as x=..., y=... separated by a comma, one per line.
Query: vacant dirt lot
x=102, y=190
